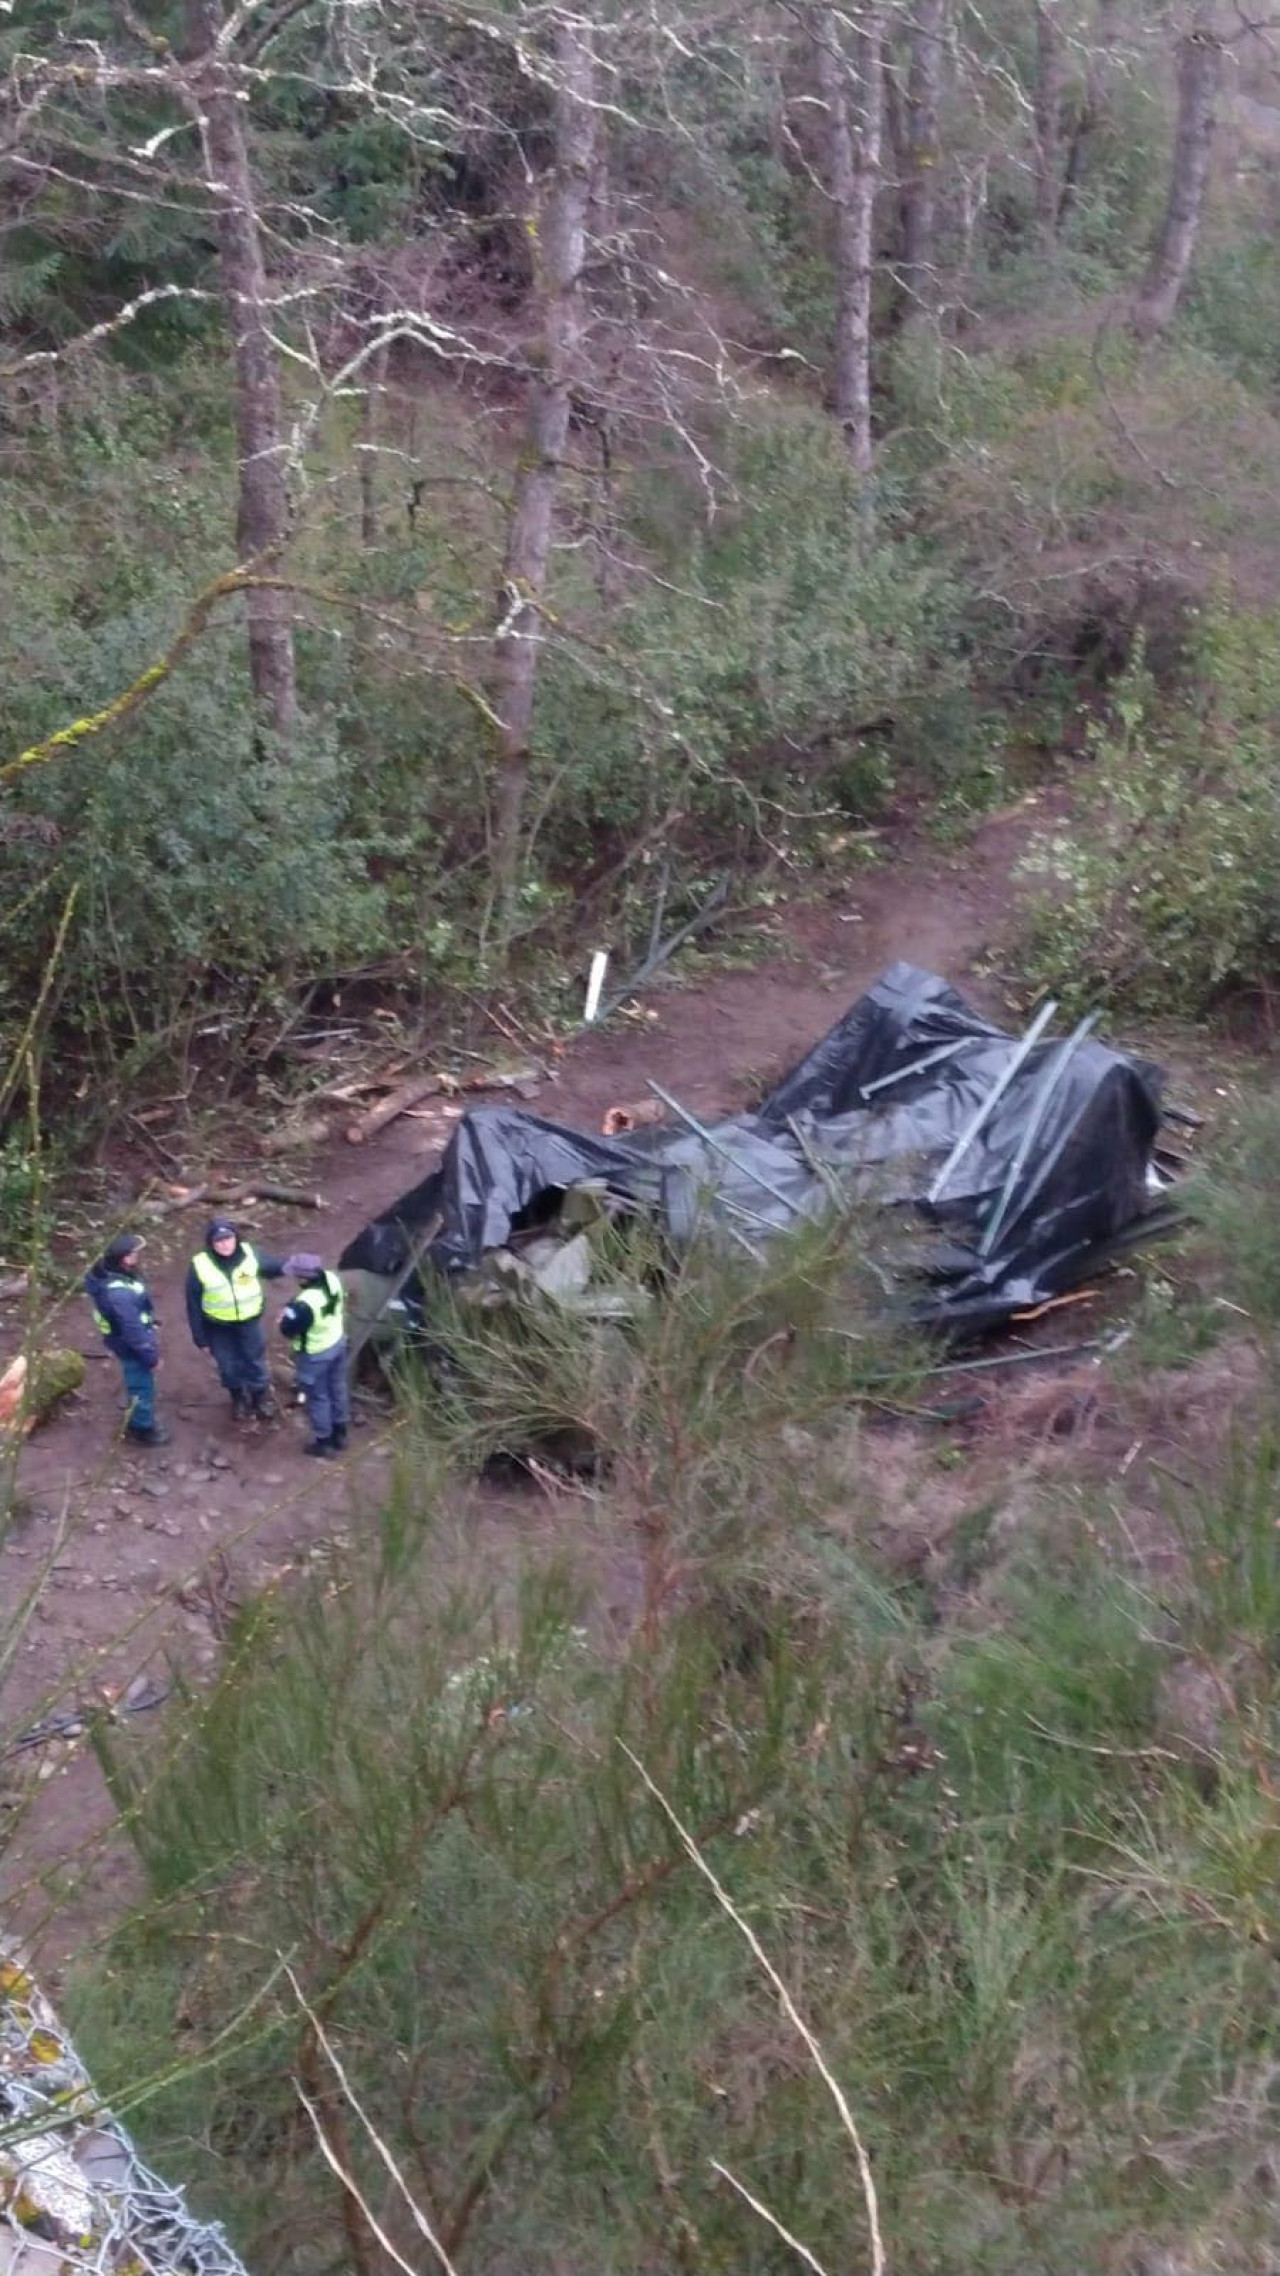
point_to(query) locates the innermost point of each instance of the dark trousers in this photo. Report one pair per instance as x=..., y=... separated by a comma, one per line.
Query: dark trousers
x=322, y=1380
x=239, y=1349
x=140, y=1391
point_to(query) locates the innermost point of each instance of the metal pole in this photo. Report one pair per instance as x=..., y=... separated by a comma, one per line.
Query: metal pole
x=1035, y=1123
x=992, y=1100
x=699, y=1130
x=900, y=1074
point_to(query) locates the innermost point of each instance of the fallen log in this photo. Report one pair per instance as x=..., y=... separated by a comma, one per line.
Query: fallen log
x=241, y=1196
x=435, y=1086
x=390, y=1108
x=29, y=1395
x=18, y=1286
x=283, y=1196
x=353, y=1087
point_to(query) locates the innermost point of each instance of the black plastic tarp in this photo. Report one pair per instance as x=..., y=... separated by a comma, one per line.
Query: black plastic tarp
x=1054, y=1175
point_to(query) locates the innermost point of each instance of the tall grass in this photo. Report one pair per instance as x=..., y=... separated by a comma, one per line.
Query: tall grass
x=1032, y=1926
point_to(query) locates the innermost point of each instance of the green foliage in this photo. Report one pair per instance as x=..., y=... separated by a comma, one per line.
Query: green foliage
x=770, y=682
x=1173, y=899
x=1034, y=1937
x=201, y=871
x=23, y=1181
x=1234, y=1202
x=1234, y=305
x=778, y=673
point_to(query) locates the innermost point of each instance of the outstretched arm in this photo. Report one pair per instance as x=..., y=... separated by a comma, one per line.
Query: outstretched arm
x=195, y=1311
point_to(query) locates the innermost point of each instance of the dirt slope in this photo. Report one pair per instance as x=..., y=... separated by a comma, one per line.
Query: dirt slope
x=137, y=1531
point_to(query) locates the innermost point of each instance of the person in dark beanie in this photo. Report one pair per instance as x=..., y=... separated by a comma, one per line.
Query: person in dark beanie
x=124, y=1314
x=315, y=1327
x=225, y=1303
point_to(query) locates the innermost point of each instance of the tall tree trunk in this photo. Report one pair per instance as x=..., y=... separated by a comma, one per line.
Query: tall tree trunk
x=1199, y=80
x=559, y=254
x=262, y=516
x=1092, y=106
x=370, y=440
x=919, y=188
x=853, y=168
x=1048, y=119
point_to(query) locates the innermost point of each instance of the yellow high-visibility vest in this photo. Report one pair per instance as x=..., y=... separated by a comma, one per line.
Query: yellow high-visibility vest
x=327, y=1328
x=229, y=1296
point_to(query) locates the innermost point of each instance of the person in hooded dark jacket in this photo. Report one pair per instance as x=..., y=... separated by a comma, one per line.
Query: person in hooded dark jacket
x=225, y=1304
x=125, y=1315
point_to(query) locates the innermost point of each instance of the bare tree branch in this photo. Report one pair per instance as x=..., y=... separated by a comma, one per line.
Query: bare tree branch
x=802, y=2029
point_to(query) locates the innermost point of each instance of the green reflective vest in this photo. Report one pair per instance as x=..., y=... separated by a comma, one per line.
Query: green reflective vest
x=229, y=1296
x=327, y=1327
x=134, y=1288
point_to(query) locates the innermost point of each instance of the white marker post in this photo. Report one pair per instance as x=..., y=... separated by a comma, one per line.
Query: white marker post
x=595, y=984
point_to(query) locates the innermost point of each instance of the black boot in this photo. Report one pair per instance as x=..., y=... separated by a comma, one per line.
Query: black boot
x=339, y=1439
x=323, y=1448
x=240, y=1409
x=264, y=1406
x=148, y=1434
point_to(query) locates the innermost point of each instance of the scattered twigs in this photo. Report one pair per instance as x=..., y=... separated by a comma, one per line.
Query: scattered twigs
x=1055, y=1304
x=792, y=2013
x=662, y=951
x=240, y=1195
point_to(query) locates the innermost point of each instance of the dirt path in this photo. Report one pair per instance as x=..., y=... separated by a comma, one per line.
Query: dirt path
x=129, y=1536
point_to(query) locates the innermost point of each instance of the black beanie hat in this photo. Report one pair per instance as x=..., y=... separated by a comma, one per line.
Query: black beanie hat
x=124, y=1245
x=221, y=1229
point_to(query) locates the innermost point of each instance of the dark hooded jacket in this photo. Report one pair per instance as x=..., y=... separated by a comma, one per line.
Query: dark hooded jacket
x=125, y=1303
x=203, y=1331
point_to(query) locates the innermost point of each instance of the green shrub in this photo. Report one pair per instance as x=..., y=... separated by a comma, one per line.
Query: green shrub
x=1034, y=1936
x=1234, y=1200
x=1173, y=896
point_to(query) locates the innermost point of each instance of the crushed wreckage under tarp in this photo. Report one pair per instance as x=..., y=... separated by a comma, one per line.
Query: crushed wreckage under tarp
x=1028, y=1161
x=75, y=2197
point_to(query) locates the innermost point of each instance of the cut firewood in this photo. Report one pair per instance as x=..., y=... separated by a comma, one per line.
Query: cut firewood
x=388, y=1109
x=359, y=1086
x=18, y=1286
x=241, y=1194
x=619, y=1119
x=284, y=1196
x=29, y=1395
x=434, y=1086
x=12, y=1385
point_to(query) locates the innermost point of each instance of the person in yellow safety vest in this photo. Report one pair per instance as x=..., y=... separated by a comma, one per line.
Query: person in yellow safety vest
x=225, y=1303
x=315, y=1325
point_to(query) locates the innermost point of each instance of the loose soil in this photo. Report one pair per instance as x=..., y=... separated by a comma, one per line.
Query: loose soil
x=157, y=1546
